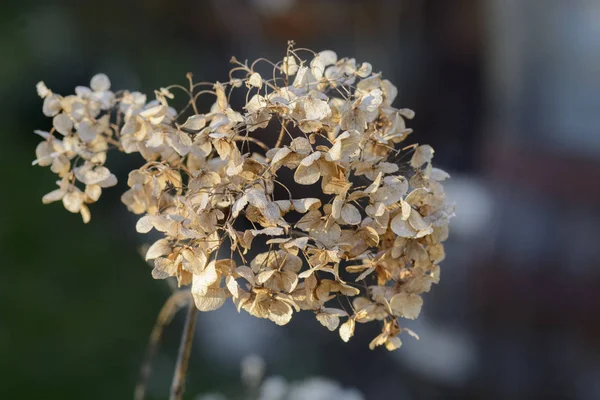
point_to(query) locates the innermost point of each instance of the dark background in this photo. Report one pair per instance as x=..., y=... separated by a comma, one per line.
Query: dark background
x=507, y=92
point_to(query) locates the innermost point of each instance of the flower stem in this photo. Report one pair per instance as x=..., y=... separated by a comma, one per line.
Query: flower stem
x=177, y=300
x=183, y=358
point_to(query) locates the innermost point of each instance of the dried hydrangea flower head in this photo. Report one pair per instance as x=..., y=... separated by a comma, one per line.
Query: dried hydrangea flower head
x=218, y=186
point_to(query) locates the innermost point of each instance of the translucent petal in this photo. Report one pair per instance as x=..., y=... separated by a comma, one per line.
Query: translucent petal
x=86, y=130
x=206, y=278
x=280, y=312
x=195, y=122
x=401, y=227
x=328, y=57
x=347, y=330
x=351, y=215
x=255, y=80
x=53, y=196
x=85, y=214
x=43, y=152
x=407, y=305
x=304, y=205
x=62, y=123
x=257, y=198
x=307, y=175
x=393, y=343
x=160, y=248
x=289, y=66
x=212, y=300
x=364, y=70
x=93, y=192
x=100, y=83
x=42, y=90
x=329, y=321
x=51, y=105
x=72, y=201
x=280, y=155
x=91, y=176
x=423, y=154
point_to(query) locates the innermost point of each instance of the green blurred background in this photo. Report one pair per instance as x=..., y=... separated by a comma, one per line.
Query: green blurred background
x=508, y=94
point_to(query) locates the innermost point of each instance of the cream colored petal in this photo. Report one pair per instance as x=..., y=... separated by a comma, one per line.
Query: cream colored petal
x=257, y=198
x=42, y=89
x=202, y=281
x=280, y=155
x=163, y=268
x=43, y=152
x=406, y=209
x=301, y=145
x=194, y=261
x=85, y=214
x=246, y=273
x=328, y=57
x=195, y=122
x=62, y=123
x=364, y=70
x=280, y=312
x=160, y=248
x=264, y=276
x=272, y=231
x=329, y=321
x=86, y=131
x=304, y=205
x=212, y=300
x=393, y=343
x=145, y=224
x=417, y=221
x=91, y=176
x=73, y=201
x=93, y=192
x=53, y=196
x=407, y=305
x=100, y=83
x=351, y=215
x=307, y=175
x=239, y=205
x=401, y=227
x=233, y=287
x=347, y=330
x=255, y=80
x=423, y=154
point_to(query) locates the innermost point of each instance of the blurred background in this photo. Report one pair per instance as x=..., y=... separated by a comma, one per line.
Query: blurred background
x=506, y=91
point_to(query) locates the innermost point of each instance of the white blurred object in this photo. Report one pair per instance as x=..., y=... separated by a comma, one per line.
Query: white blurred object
x=229, y=336
x=474, y=205
x=321, y=389
x=277, y=388
x=211, y=396
x=253, y=370
x=443, y=354
x=317, y=388
x=273, y=7
x=273, y=388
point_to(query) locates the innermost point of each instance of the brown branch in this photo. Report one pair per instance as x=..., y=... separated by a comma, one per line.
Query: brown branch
x=253, y=140
x=281, y=133
x=183, y=358
x=177, y=300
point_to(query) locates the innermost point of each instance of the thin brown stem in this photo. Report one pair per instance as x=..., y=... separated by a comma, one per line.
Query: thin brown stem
x=253, y=140
x=183, y=358
x=281, y=134
x=177, y=300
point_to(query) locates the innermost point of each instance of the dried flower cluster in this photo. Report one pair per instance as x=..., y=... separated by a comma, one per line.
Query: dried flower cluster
x=218, y=186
